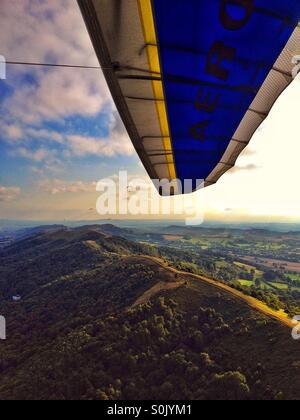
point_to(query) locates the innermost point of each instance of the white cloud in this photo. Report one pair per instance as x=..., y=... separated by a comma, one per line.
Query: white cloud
x=57, y=186
x=117, y=143
x=57, y=95
x=45, y=30
x=53, y=31
x=12, y=132
x=24, y=141
x=8, y=194
x=49, y=31
x=20, y=134
x=38, y=155
x=42, y=134
x=248, y=167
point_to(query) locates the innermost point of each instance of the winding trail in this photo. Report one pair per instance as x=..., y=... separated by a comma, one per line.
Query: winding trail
x=256, y=304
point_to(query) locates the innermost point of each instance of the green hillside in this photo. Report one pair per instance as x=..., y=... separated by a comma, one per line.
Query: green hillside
x=41, y=259
x=78, y=332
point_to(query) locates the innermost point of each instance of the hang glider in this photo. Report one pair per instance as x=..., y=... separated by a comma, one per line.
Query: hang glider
x=193, y=80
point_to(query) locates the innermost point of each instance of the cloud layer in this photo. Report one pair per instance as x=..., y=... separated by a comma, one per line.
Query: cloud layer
x=54, y=31
x=58, y=186
x=9, y=194
x=49, y=31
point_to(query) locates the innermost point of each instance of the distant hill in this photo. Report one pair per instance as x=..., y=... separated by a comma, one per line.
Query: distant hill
x=40, y=259
x=98, y=320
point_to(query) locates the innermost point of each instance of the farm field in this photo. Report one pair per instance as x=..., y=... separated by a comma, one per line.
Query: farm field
x=272, y=263
x=260, y=262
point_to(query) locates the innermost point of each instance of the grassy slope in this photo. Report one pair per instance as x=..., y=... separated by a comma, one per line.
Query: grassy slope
x=268, y=340
x=267, y=337
x=264, y=340
x=252, y=302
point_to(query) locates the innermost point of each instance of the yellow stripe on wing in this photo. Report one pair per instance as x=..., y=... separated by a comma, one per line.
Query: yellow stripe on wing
x=158, y=90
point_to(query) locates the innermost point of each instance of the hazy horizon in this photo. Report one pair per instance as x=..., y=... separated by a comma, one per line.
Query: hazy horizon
x=6, y=225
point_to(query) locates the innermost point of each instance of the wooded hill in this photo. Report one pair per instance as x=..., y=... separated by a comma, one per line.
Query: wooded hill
x=78, y=332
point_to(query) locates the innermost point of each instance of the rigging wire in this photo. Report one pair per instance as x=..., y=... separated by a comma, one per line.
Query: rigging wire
x=116, y=67
x=24, y=63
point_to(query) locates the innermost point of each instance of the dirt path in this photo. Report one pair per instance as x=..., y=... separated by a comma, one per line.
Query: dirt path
x=159, y=287
x=252, y=302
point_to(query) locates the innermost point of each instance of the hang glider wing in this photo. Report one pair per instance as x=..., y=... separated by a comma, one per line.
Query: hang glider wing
x=193, y=80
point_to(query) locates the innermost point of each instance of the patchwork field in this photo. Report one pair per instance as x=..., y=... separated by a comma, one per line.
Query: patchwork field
x=272, y=263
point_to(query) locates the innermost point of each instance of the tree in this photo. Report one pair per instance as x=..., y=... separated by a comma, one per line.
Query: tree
x=197, y=340
x=230, y=386
x=258, y=283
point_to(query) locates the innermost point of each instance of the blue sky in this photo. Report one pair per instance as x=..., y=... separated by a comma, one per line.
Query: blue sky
x=60, y=132
x=59, y=126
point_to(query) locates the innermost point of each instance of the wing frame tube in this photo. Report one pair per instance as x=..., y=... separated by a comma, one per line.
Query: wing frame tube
x=109, y=70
